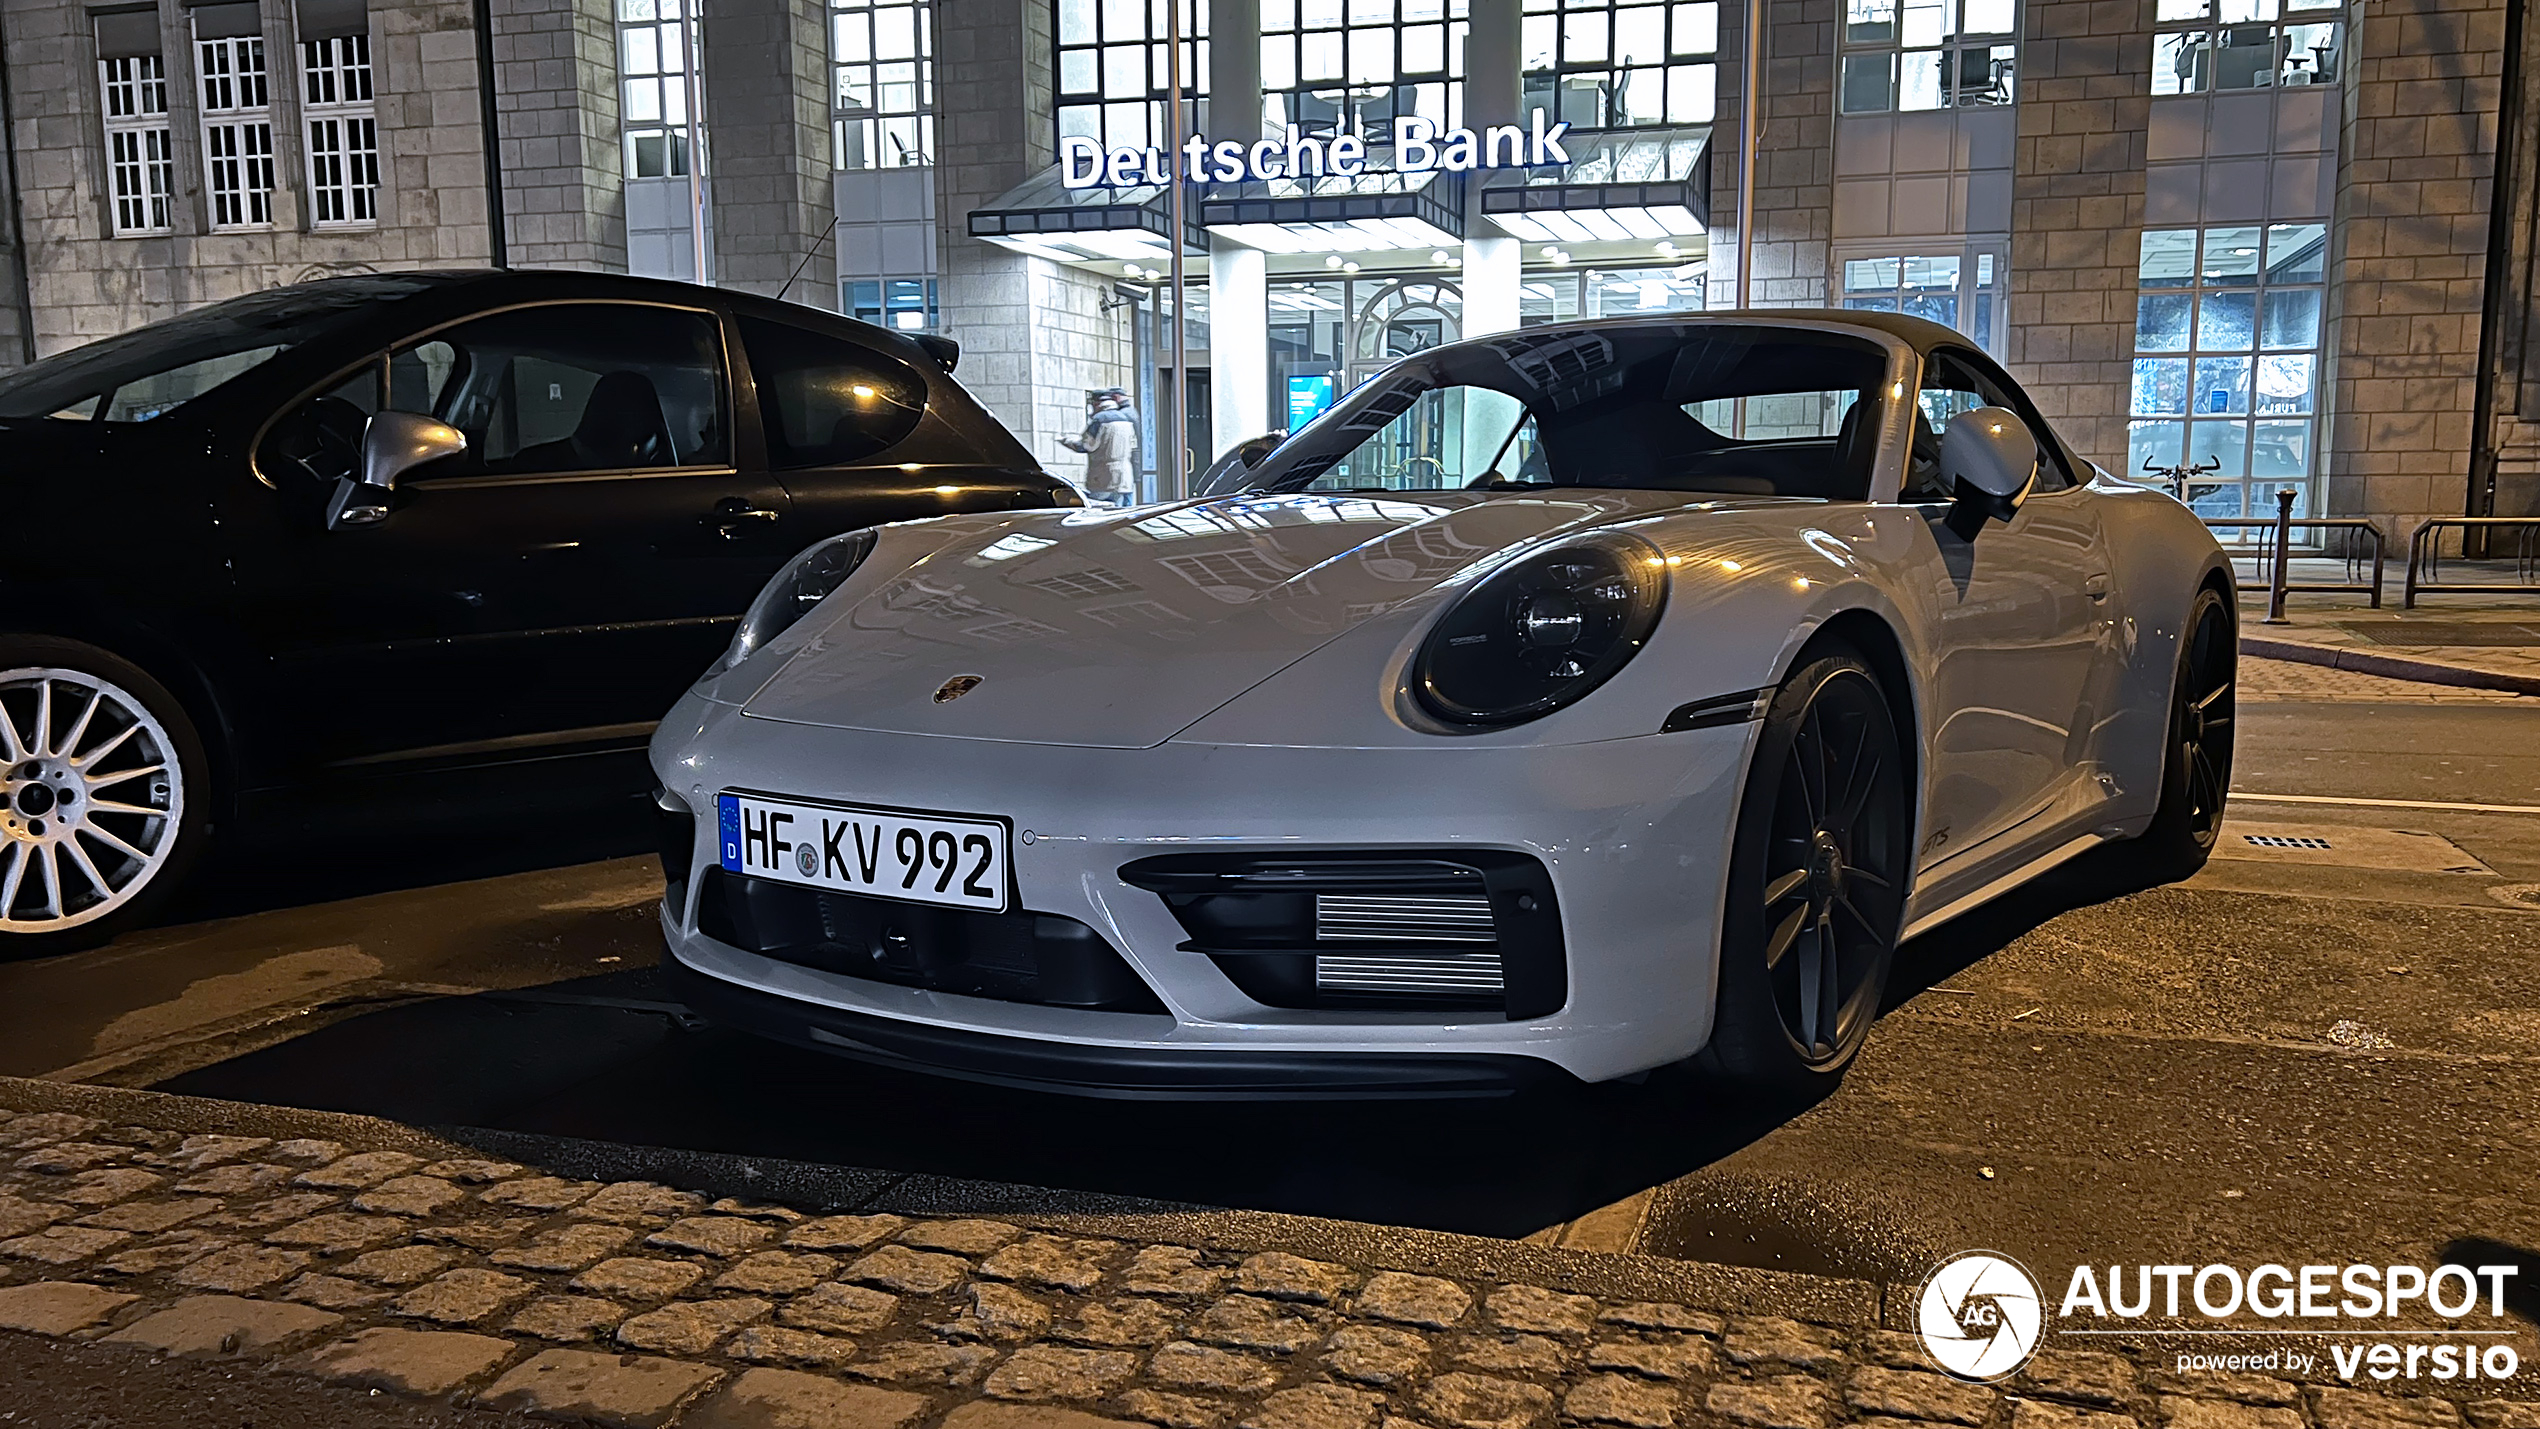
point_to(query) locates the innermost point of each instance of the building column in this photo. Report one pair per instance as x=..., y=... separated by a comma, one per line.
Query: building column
x=2077, y=187
x=1238, y=274
x=1034, y=334
x=1493, y=261
x=1794, y=159
x=2408, y=263
x=564, y=173
x=766, y=82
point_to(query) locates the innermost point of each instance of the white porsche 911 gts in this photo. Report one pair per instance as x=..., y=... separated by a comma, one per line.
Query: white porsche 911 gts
x=1578, y=700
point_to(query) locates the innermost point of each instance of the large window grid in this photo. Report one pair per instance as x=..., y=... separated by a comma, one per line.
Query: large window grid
x=1618, y=64
x=902, y=304
x=135, y=93
x=1551, y=297
x=1959, y=290
x=1354, y=66
x=883, y=97
x=1913, y=55
x=1357, y=65
x=343, y=129
x=2205, y=45
x=2227, y=362
x=237, y=130
x=655, y=52
x=1114, y=68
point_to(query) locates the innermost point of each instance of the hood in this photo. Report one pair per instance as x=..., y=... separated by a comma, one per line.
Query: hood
x=1120, y=629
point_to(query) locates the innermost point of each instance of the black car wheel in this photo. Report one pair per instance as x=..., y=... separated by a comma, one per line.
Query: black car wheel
x=1817, y=879
x=2196, y=753
x=101, y=794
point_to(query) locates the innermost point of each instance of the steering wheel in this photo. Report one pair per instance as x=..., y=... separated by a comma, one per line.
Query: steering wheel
x=322, y=442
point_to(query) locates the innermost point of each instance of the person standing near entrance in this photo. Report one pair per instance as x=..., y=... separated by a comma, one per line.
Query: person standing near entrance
x=1110, y=445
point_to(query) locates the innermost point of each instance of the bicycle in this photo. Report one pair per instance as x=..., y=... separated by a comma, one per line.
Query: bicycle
x=2179, y=474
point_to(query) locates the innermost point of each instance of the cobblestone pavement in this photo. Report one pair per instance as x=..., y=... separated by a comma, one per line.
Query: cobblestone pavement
x=461, y=1279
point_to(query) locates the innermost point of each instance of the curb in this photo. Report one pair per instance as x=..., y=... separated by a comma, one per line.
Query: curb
x=2392, y=667
x=1826, y=1300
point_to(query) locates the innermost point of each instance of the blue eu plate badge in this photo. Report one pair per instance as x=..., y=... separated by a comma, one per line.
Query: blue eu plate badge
x=728, y=822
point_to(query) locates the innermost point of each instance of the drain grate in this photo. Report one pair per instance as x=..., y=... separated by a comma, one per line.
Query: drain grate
x=2351, y=846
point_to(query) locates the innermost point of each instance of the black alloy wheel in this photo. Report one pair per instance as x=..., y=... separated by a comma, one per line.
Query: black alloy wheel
x=2196, y=750
x=1817, y=881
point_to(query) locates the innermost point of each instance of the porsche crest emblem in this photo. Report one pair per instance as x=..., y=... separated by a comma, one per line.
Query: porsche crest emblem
x=956, y=687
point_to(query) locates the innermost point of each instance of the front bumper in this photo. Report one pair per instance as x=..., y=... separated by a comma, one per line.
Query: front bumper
x=1633, y=833
x=1128, y=1073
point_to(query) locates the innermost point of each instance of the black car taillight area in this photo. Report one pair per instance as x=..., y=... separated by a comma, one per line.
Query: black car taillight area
x=1462, y=929
x=1011, y=957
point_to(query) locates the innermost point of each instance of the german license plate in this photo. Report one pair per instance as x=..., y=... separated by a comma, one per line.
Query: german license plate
x=945, y=859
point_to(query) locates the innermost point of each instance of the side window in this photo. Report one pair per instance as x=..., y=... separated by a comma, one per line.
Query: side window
x=1952, y=384
x=572, y=387
x=826, y=401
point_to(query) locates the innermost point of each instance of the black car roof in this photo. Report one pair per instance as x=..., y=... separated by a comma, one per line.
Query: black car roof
x=549, y=283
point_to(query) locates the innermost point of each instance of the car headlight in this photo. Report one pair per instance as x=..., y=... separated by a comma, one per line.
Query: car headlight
x=805, y=581
x=1541, y=632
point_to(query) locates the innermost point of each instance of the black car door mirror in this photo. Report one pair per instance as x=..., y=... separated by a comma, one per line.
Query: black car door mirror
x=393, y=444
x=1988, y=457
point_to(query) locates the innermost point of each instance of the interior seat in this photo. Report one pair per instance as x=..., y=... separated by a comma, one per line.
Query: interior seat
x=621, y=427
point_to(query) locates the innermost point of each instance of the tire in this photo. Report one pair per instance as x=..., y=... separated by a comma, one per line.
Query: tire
x=2195, y=746
x=1817, y=876
x=104, y=795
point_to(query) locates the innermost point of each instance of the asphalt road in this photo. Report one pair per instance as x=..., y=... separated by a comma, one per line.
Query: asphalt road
x=2279, y=1060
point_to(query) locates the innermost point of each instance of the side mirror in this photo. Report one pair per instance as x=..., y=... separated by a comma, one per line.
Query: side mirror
x=393, y=444
x=1989, y=458
x=1257, y=450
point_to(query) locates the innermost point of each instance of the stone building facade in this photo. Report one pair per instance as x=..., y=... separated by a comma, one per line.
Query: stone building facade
x=2273, y=233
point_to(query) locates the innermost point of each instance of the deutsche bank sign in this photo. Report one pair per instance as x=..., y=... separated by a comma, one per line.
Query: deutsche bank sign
x=1418, y=147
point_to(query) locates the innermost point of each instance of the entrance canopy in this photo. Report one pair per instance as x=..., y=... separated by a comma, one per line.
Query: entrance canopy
x=1618, y=186
x=1368, y=211
x=1042, y=216
x=1649, y=183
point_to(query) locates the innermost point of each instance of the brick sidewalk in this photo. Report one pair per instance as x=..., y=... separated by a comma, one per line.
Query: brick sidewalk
x=2341, y=632
x=469, y=1280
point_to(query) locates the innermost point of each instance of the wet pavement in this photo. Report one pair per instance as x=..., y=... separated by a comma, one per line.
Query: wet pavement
x=2280, y=1060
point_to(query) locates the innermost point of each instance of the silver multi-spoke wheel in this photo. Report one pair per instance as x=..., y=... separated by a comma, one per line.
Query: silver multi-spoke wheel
x=92, y=799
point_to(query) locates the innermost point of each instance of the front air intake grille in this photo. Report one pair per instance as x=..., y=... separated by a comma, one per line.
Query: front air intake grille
x=1463, y=930
x=1402, y=918
x=1011, y=957
x=1455, y=975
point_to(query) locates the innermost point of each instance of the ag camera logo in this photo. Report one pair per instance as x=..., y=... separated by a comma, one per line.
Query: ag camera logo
x=1980, y=1315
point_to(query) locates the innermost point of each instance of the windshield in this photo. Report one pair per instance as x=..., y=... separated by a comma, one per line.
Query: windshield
x=1733, y=409
x=151, y=371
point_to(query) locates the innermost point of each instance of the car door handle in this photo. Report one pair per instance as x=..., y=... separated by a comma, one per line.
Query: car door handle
x=734, y=515
x=2096, y=586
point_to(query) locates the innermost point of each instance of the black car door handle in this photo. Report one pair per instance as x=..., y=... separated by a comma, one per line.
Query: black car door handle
x=734, y=515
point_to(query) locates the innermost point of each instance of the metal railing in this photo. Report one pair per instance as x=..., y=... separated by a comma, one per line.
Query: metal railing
x=2425, y=557
x=2265, y=553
